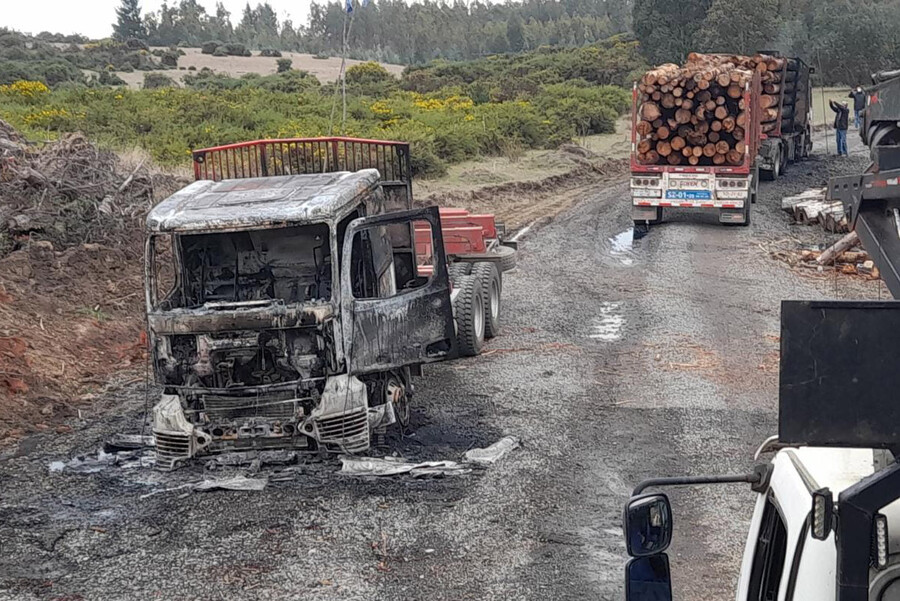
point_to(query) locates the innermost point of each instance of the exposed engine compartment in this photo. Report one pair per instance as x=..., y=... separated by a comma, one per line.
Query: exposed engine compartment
x=244, y=345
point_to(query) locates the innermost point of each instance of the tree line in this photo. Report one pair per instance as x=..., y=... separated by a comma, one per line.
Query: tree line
x=845, y=40
x=385, y=30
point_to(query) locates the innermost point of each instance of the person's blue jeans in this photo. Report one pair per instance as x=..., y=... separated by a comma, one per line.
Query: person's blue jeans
x=841, y=141
x=856, y=114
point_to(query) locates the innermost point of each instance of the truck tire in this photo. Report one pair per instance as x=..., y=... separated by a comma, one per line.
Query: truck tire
x=507, y=256
x=490, y=277
x=470, y=315
x=774, y=173
x=454, y=270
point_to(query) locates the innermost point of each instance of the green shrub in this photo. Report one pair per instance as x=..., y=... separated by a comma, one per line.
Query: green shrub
x=210, y=47
x=108, y=78
x=170, y=58
x=136, y=44
x=237, y=49
x=220, y=51
x=283, y=65
x=153, y=81
x=370, y=79
x=270, y=52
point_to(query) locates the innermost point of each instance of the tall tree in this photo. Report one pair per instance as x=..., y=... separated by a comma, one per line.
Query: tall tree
x=739, y=26
x=129, y=23
x=667, y=30
x=514, y=32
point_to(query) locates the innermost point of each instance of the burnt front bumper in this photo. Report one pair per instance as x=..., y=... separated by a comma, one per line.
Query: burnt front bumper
x=340, y=421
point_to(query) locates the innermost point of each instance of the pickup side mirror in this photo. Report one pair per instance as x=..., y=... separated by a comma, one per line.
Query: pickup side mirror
x=648, y=579
x=648, y=525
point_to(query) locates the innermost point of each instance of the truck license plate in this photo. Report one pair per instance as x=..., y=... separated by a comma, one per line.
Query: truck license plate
x=688, y=194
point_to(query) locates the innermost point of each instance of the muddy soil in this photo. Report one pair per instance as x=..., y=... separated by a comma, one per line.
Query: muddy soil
x=619, y=359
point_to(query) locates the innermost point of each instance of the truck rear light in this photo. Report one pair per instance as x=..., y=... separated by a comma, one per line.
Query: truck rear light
x=727, y=183
x=880, y=542
x=822, y=513
x=644, y=182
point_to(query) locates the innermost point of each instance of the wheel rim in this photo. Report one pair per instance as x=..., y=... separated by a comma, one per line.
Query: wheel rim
x=495, y=300
x=479, y=317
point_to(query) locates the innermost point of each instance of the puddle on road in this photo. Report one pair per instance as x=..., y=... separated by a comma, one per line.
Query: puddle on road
x=621, y=246
x=607, y=327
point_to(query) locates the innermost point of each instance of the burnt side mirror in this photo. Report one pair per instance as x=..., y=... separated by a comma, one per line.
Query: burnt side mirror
x=648, y=579
x=648, y=525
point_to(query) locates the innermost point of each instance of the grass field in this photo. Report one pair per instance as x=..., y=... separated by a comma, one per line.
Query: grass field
x=325, y=69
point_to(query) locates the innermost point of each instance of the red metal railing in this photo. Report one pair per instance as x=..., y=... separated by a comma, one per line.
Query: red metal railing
x=296, y=156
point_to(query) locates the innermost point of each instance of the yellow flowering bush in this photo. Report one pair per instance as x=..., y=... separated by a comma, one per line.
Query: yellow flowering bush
x=24, y=90
x=51, y=118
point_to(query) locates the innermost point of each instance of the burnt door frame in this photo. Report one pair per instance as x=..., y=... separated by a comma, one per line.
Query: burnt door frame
x=411, y=327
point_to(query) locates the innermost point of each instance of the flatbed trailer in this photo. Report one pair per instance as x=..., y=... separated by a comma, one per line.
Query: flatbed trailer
x=728, y=189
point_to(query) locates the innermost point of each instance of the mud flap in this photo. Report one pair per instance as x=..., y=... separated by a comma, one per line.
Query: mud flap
x=644, y=213
x=737, y=216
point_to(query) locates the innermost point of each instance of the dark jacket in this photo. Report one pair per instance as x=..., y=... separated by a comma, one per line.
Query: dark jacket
x=842, y=115
x=859, y=100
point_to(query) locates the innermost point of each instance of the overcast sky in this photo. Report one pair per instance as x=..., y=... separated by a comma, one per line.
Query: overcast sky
x=94, y=18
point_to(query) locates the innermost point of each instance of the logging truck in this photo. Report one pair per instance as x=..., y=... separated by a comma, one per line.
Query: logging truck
x=696, y=132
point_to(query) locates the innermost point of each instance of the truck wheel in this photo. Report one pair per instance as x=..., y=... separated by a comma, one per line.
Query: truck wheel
x=455, y=270
x=493, y=286
x=507, y=256
x=470, y=315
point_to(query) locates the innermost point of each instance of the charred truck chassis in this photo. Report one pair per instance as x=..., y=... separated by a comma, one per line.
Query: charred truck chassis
x=286, y=310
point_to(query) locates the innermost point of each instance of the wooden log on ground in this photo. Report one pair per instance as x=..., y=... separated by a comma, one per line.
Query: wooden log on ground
x=851, y=239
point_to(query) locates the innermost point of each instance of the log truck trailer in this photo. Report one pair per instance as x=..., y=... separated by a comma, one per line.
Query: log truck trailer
x=826, y=523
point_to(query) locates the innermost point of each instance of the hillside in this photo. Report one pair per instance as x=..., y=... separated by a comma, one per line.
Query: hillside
x=325, y=69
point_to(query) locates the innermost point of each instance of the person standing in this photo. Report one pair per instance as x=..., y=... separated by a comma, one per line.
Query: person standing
x=841, y=123
x=859, y=102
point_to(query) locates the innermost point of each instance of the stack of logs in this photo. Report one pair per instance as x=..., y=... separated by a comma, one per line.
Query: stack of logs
x=697, y=114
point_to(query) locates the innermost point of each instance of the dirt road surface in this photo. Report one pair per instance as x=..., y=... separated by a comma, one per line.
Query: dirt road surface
x=619, y=359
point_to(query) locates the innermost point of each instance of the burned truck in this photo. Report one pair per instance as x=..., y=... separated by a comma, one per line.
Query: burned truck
x=289, y=301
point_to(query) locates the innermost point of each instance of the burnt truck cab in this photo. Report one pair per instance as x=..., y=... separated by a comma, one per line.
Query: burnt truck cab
x=288, y=308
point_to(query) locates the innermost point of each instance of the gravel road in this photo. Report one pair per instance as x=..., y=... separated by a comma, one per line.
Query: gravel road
x=619, y=359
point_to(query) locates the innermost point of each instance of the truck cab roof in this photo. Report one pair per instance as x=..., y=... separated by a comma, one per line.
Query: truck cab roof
x=262, y=202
